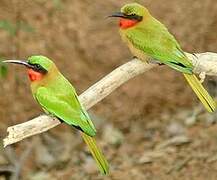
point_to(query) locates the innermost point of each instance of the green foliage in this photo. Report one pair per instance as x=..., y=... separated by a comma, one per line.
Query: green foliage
x=8, y=26
x=57, y=4
x=3, y=70
x=13, y=28
x=25, y=27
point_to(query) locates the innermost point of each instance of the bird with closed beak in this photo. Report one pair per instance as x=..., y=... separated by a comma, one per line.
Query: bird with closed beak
x=148, y=38
x=58, y=98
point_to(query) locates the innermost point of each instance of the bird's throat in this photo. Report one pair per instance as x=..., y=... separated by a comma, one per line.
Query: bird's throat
x=127, y=23
x=34, y=76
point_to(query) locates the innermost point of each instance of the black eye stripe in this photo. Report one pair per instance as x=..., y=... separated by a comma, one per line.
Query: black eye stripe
x=134, y=16
x=38, y=68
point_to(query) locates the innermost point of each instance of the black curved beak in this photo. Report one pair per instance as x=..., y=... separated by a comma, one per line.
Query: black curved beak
x=118, y=14
x=24, y=63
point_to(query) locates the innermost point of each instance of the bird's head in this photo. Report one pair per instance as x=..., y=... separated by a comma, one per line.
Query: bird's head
x=131, y=14
x=37, y=66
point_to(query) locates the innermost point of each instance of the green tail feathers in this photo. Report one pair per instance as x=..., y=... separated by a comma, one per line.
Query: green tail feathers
x=202, y=94
x=97, y=154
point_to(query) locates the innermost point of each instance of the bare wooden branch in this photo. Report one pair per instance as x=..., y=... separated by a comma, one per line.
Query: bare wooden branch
x=204, y=62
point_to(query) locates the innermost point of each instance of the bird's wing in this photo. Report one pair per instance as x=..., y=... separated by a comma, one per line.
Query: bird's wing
x=57, y=106
x=155, y=40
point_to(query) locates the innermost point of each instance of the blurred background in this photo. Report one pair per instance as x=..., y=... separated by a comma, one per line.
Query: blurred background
x=152, y=127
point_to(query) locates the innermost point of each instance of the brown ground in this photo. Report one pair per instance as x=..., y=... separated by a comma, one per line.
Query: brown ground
x=138, y=122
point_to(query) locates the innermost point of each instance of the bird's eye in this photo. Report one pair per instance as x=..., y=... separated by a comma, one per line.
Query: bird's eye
x=38, y=66
x=133, y=14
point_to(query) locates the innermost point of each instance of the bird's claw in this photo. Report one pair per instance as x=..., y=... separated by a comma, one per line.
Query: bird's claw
x=155, y=62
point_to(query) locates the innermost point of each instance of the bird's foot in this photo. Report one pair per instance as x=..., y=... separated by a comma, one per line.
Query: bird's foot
x=155, y=62
x=202, y=76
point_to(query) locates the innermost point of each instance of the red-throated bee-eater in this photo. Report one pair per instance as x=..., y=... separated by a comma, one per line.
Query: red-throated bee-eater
x=58, y=98
x=147, y=37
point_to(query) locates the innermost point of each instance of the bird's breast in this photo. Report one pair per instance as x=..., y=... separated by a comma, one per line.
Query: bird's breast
x=135, y=51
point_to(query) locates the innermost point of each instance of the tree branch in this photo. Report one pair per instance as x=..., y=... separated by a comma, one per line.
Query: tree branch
x=204, y=62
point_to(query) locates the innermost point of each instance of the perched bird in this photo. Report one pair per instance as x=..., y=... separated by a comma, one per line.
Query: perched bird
x=147, y=37
x=58, y=98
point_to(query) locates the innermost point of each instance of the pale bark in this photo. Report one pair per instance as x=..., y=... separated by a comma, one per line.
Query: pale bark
x=203, y=63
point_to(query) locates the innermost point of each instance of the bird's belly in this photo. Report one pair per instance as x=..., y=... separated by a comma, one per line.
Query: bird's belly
x=138, y=53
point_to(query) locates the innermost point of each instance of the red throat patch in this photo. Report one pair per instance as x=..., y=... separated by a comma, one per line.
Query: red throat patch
x=34, y=76
x=126, y=23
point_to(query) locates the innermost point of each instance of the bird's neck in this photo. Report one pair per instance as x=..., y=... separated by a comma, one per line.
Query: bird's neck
x=127, y=23
x=38, y=80
x=34, y=75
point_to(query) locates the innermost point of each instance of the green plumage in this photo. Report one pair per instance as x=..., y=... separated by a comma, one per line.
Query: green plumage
x=153, y=38
x=150, y=38
x=58, y=98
